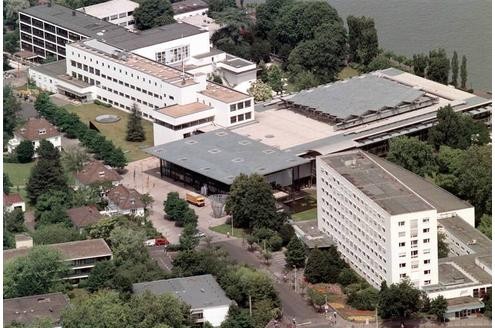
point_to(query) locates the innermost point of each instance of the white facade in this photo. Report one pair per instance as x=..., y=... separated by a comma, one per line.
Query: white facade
x=214, y=315
x=14, y=142
x=379, y=246
x=199, y=12
x=16, y=205
x=118, y=12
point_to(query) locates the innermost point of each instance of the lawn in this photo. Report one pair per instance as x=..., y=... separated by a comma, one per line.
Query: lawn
x=305, y=215
x=227, y=228
x=18, y=173
x=347, y=72
x=116, y=131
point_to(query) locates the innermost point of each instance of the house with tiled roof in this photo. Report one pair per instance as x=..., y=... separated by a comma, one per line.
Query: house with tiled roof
x=97, y=172
x=124, y=201
x=35, y=130
x=84, y=216
x=12, y=202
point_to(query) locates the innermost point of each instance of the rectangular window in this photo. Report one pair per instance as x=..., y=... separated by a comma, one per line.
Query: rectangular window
x=426, y=220
x=426, y=241
x=427, y=282
x=247, y=103
x=414, y=254
x=402, y=275
x=240, y=105
x=426, y=262
x=425, y=230
x=402, y=223
x=402, y=254
x=426, y=251
x=240, y=117
x=402, y=233
x=402, y=244
x=73, y=63
x=114, y=17
x=414, y=266
x=232, y=108
x=402, y=265
x=122, y=15
x=248, y=115
x=85, y=68
x=233, y=119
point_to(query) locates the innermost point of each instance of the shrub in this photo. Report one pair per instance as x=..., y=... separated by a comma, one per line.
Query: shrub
x=275, y=243
x=25, y=151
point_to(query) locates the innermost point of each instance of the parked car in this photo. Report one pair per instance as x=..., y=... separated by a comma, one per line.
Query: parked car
x=158, y=241
x=150, y=242
x=200, y=234
x=195, y=199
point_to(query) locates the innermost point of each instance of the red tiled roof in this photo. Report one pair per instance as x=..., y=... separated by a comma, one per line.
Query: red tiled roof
x=11, y=199
x=37, y=129
x=97, y=172
x=84, y=216
x=124, y=198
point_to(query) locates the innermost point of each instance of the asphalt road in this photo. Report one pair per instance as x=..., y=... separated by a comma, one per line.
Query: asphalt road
x=293, y=306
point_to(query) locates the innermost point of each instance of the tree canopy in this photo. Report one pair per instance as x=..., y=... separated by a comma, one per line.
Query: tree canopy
x=11, y=107
x=24, y=151
x=135, y=130
x=153, y=13
x=438, y=66
x=412, y=154
x=296, y=253
x=324, y=265
x=363, y=39
x=400, y=300
x=251, y=203
x=39, y=272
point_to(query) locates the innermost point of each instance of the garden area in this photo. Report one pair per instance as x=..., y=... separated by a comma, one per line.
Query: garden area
x=304, y=208
x=116, y=132
x=227, y=229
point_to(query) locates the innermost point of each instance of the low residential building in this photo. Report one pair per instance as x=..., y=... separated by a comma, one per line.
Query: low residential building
x=35, y=130
x=81, y=256
x=124, y=201
x=463, y=307
x=29, y=309
x=118, y=12
x=13, y=201
x=203, y=294
x=188, y=8
x=97, y=173
x=84, y=216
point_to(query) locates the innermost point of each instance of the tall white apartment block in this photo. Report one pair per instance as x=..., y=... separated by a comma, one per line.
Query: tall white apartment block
x=383, y=229
x=119, y=12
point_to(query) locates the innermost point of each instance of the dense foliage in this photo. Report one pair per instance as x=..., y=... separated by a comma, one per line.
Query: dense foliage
x=135, y=130
x=11, y=107
x=400, y=300
x=178, y=210
x=24, y=152
x=295, y=256
x=412, y=154
x=71, y=124
x=153, y=13
x=324, y=265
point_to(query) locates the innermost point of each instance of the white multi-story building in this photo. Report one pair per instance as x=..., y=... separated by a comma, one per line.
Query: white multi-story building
x=382, y=228
x=119, y=12
x=177, y=102
x=47, y=30
x=384, y=220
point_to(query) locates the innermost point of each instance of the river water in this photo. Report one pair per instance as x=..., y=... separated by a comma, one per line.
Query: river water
x=413, y=26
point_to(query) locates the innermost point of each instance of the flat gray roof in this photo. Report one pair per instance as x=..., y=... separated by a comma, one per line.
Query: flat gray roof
x=58, y=70
x=439, y=198
x=311, y=236
x=356, y=96
x=360, y=169
x=115, y=35
x=197, y=291
x=222, y=155
x=186, y=6
x=80, y=22
x=467, y=234
x=165, y=33
x=468, y=264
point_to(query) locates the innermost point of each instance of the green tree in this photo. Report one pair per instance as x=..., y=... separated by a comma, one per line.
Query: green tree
x=103, y=228
x=443, y=246
x=438, y=66
x=420, y=63
x=488, y=304
x=8, y=240
x=24, y=151
x=7, y=184
x=400, y=300
x=73, y=159
x=188, y=239
x=153, y=13
x=47, y=174
x=455, y=68
x=438, y=307
x=238, y=319
x=347, y=276
x=14, y=221
x=295, y=254
x=378, y=63
x=11, y=107
x=55, y=233
x=39, y=272
x=323, y=55
x=324, y=266
x=304, y=80
x=260, y=91
x=51, y=208
x=463, y=72
x=412, y=154
x=457, y=130
x=485, y=225
x=363, y=298
x=316, y=297
x=11, y=41
x=101, y=276
x=363, y=39
x=215, y=6
x=251, y=203
x=135, y=130
x=275, y=79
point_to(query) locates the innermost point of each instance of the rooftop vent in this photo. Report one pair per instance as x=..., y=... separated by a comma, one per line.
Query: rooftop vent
x=238, y=160
x=268, y=151
x=191, y=142
x=214, y=151
x=221, y=134
x=244, y=142
x=183, y=159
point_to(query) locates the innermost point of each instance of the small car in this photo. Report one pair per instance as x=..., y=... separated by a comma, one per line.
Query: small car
x=161, y=241
x=150, y=242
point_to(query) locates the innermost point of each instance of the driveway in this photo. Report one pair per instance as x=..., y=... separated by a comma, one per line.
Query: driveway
x=144, y=176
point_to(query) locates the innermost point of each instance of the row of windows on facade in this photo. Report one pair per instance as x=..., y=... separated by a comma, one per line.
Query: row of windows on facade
x=45, y=41
x=97, y=72
x=357, y=202
x=117, y=16
x=344, y=235
x=111, y=102
x=404, y=275
x=36, y=25
x=39, y=51
x=415, y=265
x=173, y=55
x=370, y=222
x=240, y=118
x=185, y=125
x=40, y=43
x=130, y=97
x=354, y=259
x=350, y=220
x=240, y=105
